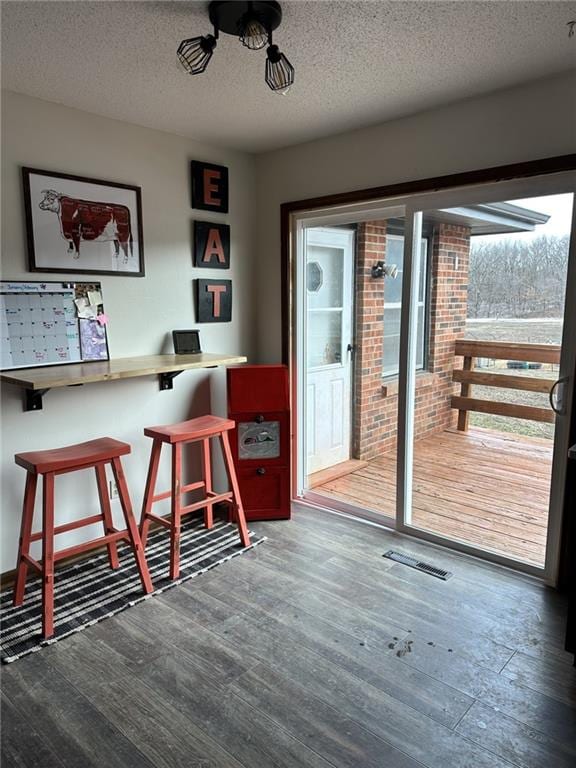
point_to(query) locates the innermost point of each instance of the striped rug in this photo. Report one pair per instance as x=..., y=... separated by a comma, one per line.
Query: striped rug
x=89, y=591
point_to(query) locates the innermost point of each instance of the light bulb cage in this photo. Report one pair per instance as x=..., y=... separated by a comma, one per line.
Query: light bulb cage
x=252, y=32
x=279, y=74
x=195, y=54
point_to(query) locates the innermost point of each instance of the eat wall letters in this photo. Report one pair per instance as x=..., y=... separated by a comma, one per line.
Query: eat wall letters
x=214, y=301
x=209, y=187
x=211, y=245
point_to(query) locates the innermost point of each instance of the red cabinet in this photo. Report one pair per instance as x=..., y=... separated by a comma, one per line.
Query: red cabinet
x=258, y=401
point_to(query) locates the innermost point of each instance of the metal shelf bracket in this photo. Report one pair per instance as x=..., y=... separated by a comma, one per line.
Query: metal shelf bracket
x=167, y=379
x=33, y=399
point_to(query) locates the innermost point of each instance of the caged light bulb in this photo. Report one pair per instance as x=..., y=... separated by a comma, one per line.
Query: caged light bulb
x=279, y=72
x=195, y=53
x=254, y=35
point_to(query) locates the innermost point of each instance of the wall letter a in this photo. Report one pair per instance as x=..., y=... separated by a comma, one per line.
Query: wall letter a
x=214, y=247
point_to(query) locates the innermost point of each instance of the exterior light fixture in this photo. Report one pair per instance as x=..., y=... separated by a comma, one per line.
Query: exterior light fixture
x=384, y=270
x=253, y=23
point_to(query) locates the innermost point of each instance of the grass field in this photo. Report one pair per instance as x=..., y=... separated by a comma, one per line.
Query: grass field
x=533, y=331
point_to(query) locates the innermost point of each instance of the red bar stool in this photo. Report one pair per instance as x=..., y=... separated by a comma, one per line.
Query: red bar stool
x=94, y=453
x=178, y=435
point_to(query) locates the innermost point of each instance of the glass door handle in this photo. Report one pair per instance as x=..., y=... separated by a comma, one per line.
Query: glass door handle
x=557, y=398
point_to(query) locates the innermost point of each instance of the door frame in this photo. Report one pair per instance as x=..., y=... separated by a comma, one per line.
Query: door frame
x=548, y=174
x=304, y=221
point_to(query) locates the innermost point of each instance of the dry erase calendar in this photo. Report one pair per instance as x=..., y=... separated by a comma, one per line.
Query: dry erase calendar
x=48, y=323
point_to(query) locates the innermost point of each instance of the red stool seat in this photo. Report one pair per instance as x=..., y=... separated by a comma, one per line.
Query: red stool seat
x=72, y=457
x=201, y=429
x=48, y=464
x=189, y=431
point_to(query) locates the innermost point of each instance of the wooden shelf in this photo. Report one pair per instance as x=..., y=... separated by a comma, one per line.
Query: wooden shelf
x=37, y=381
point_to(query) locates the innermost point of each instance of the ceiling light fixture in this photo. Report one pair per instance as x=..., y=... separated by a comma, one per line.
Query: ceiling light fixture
x=253, y=23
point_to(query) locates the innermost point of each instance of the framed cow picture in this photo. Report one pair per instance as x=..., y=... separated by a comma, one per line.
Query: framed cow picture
x=82, y=226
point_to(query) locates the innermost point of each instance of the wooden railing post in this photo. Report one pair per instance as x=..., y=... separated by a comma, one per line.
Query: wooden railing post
x=465, y=391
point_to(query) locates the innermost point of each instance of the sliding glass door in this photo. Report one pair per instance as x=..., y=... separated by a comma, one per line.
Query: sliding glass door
x=482, y=450
x=432, y=354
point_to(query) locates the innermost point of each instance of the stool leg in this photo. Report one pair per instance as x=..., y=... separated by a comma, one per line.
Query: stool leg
x=25, y=533
x=106, y=513
x=149, y=492
x=207, y=470
x=133, y=532
x=239, y=509
x=176, y=510
x=48, y=556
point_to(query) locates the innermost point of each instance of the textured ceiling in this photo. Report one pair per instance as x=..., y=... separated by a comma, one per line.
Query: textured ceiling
x=357, y=63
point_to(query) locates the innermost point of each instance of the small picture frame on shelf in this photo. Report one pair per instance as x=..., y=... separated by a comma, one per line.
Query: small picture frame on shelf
x=186, y=342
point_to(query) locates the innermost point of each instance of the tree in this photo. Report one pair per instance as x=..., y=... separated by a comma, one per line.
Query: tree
x=515, y=278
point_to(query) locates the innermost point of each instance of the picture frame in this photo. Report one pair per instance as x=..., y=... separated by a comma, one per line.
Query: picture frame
x=81, y=225
x=186, y=342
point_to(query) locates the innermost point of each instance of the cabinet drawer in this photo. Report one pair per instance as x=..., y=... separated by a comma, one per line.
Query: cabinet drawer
x=265, y=492
x=257, y=388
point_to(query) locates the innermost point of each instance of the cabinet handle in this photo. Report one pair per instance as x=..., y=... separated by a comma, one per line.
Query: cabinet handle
x=260, y=471
x=259, y=419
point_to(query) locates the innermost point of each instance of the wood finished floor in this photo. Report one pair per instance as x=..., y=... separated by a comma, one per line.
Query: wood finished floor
x=311, y=650
x=483, y=487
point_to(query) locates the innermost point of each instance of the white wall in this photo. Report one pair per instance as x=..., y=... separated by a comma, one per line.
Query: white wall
x=142, y=311
x=534, y=121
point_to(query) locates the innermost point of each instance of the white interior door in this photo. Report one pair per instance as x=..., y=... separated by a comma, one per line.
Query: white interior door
x=328, y=339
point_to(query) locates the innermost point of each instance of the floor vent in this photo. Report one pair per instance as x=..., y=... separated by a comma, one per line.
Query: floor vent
x=413, y=562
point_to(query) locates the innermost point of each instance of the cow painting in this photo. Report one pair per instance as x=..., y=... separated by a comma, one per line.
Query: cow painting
x=85, y=220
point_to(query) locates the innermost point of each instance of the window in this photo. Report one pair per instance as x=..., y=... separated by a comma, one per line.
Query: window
x=393, y=303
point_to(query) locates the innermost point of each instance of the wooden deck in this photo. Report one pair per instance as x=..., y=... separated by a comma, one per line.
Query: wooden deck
x=485, y=488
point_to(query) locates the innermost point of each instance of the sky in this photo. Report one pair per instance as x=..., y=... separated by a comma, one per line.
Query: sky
x=559, y=208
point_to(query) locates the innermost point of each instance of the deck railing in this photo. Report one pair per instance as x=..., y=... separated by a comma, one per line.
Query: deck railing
x=499, y=350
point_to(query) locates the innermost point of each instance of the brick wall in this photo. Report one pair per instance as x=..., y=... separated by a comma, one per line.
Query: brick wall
x=376, y=400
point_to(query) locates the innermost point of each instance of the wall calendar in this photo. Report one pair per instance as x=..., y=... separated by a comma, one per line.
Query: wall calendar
x=49, y=323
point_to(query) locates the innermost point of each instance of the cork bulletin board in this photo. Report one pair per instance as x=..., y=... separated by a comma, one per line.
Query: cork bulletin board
x=50, y=323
